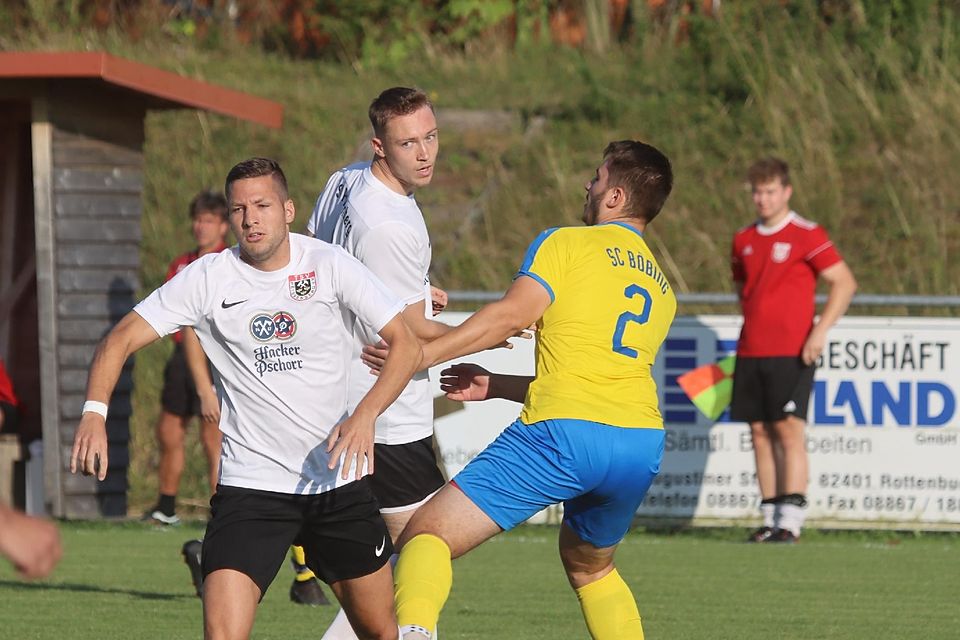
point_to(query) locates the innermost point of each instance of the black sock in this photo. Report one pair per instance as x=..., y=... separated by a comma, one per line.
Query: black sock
x=167, y=505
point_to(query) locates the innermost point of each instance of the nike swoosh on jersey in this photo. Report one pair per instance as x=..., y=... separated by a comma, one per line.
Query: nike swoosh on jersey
x=227, y=305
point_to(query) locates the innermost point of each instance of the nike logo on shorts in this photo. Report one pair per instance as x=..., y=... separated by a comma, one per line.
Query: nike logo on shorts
x=379, y=550
x=227, y=305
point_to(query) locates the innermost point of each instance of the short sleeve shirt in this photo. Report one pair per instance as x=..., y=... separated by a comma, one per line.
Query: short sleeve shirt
x=778, y=270
x=280, y=344
x=177, y=265
x=386, y=231
x=596, y=343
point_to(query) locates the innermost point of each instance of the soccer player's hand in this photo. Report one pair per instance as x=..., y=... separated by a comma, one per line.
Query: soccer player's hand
x=374, y=355
x=465, y=382
x=813, y=347
x=526, y=334
x=353, y=440
x=209, y=406
x=439, y=299
x=89, y=454
x=31, y=544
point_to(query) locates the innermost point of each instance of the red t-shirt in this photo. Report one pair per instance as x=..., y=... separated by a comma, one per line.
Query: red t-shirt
x=778, y=268
x=177, y=266
x=6, y=388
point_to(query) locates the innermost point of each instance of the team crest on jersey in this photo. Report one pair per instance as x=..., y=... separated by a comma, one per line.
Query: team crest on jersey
x=748, y=250
x=267, y=326
x=780, y=251
x=303, y=285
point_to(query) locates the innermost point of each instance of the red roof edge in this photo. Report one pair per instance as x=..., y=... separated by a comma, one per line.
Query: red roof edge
x=145, y=79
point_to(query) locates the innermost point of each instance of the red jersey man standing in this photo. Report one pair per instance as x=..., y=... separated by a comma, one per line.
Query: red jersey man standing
x=776, y=263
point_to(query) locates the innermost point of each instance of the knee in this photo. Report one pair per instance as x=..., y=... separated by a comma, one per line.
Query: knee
x=759, y=433
x=386, y=631
x=789, y=431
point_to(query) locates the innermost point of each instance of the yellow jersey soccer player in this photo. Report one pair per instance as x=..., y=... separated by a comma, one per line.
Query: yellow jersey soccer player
x=590, y=434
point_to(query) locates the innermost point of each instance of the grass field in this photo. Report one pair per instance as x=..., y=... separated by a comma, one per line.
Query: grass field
x=126, y=580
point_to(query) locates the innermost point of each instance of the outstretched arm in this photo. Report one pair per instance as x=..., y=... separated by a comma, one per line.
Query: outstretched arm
x=132, y=333
x=468, y=382
x=522, y=305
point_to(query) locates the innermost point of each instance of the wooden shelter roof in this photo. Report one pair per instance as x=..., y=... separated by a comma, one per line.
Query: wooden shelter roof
x=162, y=88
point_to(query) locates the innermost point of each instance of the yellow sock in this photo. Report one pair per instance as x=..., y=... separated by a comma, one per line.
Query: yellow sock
x=300, y=564
x=423, y=577
x=610, y=610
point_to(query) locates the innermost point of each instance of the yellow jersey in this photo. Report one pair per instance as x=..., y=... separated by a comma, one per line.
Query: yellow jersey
x=611, y=307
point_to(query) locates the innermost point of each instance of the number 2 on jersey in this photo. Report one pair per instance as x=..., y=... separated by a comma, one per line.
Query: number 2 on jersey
x=626, y=317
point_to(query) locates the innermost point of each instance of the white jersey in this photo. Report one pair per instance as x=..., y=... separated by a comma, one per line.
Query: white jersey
x=280, y=344
x=386, y=232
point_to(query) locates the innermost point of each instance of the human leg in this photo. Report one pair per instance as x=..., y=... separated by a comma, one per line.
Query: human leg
x=618, y=475
x=170, y=432
x=177, y=401
x=229, y=605
x=367, y=602
x=791, y=382
x=306, y=589
x=608, y=605
x=750, y=403
x=446, y=527
x=792, y=500
x=407, y=476
x=245, y=544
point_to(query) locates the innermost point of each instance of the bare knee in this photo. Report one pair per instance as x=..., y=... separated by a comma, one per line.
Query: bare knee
x=760, y=433
x=789, y=431
x=583, y=562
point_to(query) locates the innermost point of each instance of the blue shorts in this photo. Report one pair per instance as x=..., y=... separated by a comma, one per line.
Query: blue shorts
x=600, y=473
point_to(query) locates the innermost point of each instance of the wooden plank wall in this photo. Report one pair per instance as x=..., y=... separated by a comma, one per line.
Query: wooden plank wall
x=97, y=205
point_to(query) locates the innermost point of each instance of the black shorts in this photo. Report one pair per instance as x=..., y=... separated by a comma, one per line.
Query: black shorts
x=770, y=389
x=341, y=532
x=405, y=475
x=11, y=418
x=179, y=395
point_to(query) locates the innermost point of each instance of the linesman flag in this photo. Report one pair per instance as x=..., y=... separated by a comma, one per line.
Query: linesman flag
x=710, y=387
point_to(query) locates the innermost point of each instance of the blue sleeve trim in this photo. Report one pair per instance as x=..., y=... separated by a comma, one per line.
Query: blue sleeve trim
x=542, y=282
x=533, y=248
x=528, y=261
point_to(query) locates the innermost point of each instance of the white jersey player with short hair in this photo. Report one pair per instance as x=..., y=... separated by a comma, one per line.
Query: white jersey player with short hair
x=279, y=343
x=385, y=230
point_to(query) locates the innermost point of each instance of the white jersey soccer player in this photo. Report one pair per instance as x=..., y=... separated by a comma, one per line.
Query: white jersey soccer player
x=275, y=315
x=386, y=232
x=287, y=345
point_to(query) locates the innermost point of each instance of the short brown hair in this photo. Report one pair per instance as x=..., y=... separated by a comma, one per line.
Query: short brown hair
x=256, y=168
x=394, y=102
x=767, y=170
x=643, y=172
x=208, y=200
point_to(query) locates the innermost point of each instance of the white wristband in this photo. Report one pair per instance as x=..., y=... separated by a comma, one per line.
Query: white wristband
x=93, y=406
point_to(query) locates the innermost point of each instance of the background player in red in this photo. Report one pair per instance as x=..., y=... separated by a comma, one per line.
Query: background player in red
x=776, y=263
x=180, y=398
x=9, y=404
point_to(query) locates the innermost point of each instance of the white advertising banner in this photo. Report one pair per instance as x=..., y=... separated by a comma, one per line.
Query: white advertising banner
x=883, y=434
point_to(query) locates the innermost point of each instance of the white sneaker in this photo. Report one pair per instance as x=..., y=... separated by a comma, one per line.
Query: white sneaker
x=161, y=518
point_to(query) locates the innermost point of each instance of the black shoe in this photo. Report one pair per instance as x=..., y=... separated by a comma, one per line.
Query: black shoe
x=784, y=536
x=191, y=555
x=763, y=534
x=308, y=592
